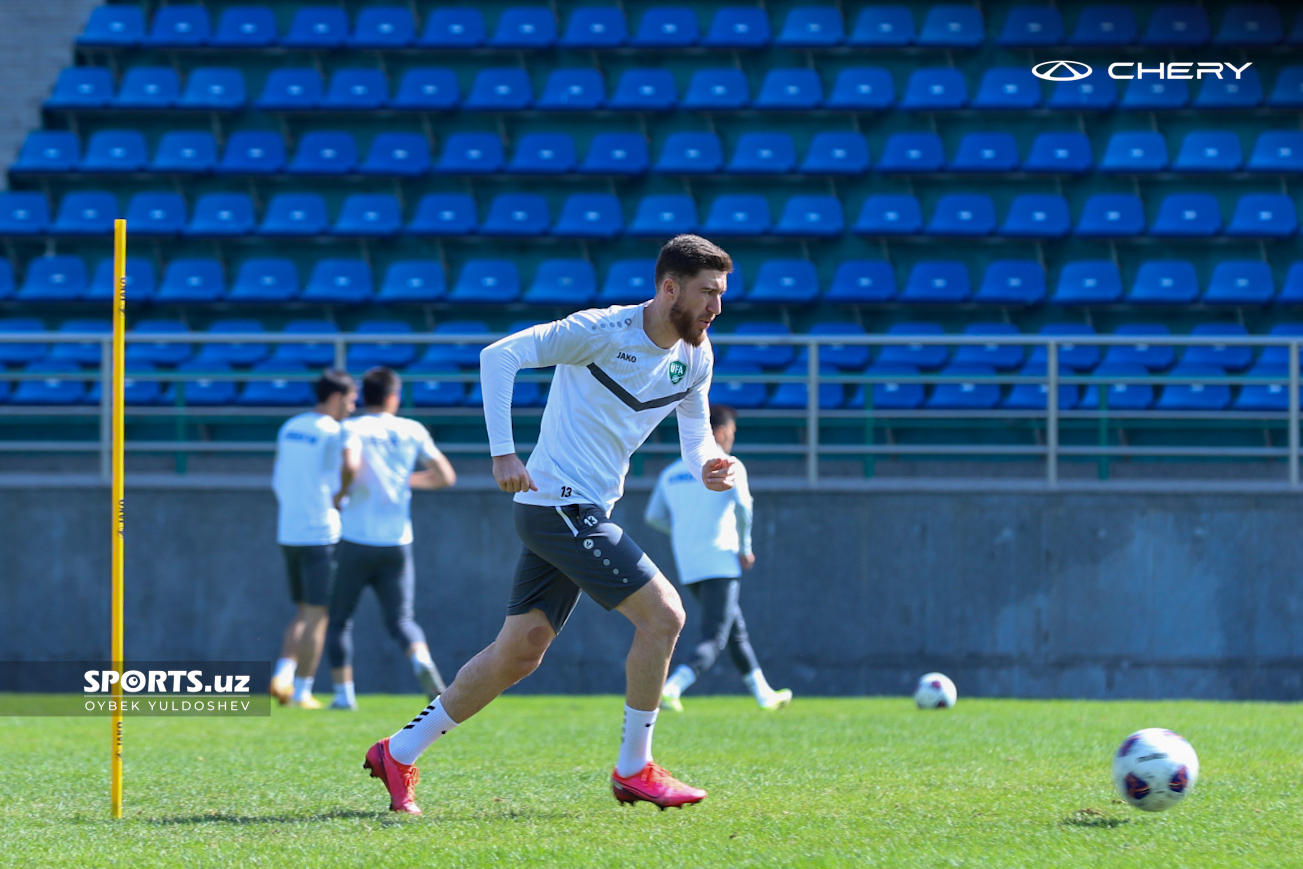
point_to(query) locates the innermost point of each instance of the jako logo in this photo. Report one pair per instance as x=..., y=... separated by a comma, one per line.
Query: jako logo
x=1074, y=70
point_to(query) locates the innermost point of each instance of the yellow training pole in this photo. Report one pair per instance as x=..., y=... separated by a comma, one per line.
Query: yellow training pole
x=119, y=385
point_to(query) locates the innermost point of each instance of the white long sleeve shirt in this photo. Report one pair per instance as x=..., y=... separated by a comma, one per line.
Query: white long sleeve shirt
x=611, y=389
x=708, y=530
x=309, y=450
x=379, y=507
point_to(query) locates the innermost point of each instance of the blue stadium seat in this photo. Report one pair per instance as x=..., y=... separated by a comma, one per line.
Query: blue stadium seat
x=1008, y=88
x=453, y=27
x=719, y=89
x=934, y=89
x=427, y=89
x=113, y=27
x=426, y=391
x=811, y=27
x=889, y=214
x=253, y=152
x=191, y=280
x=1112, y=215
x=691, y=153
x=590, y=215
x=1264, y=396
x=744, y=396
x=295, y=214
x=464, y=355
x=179, y=27
x=86, y=212
x=324, y=152
x=616, y=154
x=1240, y=282
x=245, y=27
x=1279, y=355
x=1291, y=291
x=362, y=356
x=1074, y=356
x=819, y=216
x=1095, y=92
x=1250, y=24
x=952, y=26
x=148, y=87
x=170, y=354
x=1288, y=92
x=836, y=152
x=317, y=27
x=383, y=27
x=544, y=154
x=517, y=214
x=1228, y=356
x=965, y=395
x=962, y=214
x=573, y=90
x=404, y=155
x=191, y=153
x=767, y=356
x=1037, y=215
x=794, y=396
x=595, y=27
x=339, y=282
x=1164, y=282
x=862, y=89
x=1199, y=395
x=219, y=356
x=1264, y=215
x=664, y=216
x=1012, y=282
x=1149, y=94
x=48, y=151
x=1182, y=25
x=82, y=87
x=1000, y=357
x=1140, y=151
x=895, y=394
x=203, y=391
x=80, y=353
x=357, y=90
x=369, y=215
x=141, y=280
x=1088, y=282
x=317, y=355
x=291, y=90
x=1033, y=396
x=471, y=154
x=1151, y=357
x=862, y=281
x=912, y=152
x=570, y=283
x=221, y=214
x=1060, y=152
x=156, y=214
x=499, y=89
x=1229, y=92
x=1188, y=215
x=738, y=214
x=644, y=90
x=790, y=89
x=838, y=357
x=487, y=282
x=413, y=281
x=667, y=27
x=445, y=214
x=763, y=154
x=738, y=27
x=628, y=282
x=1031, y=27
x=1104, y=25
x=279, y=391
x=986, y=152
x=12, y=353
x=939, y=282
x=927, y=357
x=1119, y=396
x=1277, y=151
x=526, y=27
x=54, y=279
x=265, y=279
x=882, y=27
x=52, y=390
x=1209, y=151
x=24, y=214
x=115, y=151
x=785, y=282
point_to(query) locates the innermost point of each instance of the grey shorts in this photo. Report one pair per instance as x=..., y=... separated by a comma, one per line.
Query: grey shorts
x=569, y=550
x=311, y=571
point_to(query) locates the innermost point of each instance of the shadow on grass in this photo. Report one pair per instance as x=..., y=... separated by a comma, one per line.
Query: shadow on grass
x=238, y=820
x=1093, y=818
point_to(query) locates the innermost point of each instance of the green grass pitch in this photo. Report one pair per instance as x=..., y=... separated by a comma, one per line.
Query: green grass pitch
x=827, y=782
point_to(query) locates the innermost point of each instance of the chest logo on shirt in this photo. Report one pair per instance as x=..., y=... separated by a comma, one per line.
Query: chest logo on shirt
x=627, y=357
x=677, y=370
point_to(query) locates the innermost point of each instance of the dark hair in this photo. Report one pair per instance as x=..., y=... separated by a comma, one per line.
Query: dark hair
x=684, y=256
x=378, y=384
x=331, y=381
x=722, y=415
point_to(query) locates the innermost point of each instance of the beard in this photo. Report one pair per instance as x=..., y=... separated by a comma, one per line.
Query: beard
x=686, y=325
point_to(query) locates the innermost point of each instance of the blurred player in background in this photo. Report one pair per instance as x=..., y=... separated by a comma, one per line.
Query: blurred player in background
x=711, y=534
x=308, y=453
x=385, y=457
x=619, y=373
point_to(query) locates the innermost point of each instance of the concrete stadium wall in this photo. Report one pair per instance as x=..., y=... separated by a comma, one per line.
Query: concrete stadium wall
x=1027, y=595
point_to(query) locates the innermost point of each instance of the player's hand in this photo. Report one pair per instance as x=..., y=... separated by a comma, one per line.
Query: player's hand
x=746, y=561
x=510, y=474
x=718, y=474
x=339, y=500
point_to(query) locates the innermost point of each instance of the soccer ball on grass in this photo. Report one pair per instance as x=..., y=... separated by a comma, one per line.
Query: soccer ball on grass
x=1154, y=769
x=935, y=691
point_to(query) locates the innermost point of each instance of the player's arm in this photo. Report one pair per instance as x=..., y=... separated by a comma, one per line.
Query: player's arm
x=696, y=443
x=742, y=509
x=350, y=466
x=435, y=471
x=657, y=514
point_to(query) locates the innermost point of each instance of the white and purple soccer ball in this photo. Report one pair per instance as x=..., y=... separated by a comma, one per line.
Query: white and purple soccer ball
x=1154, y=769
x=935, y=691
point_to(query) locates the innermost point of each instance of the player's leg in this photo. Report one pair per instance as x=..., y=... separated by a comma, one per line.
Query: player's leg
x=352, y=576
x=744, y=658
x=718, y=611
x=396, y=589
x=282, y=679
x=317, y=572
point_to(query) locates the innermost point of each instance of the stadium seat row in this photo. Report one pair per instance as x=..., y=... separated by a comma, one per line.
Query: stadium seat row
x=509, y=89
x=573, y=283
x=830, y=152
x=601, y=215
x=947, y=26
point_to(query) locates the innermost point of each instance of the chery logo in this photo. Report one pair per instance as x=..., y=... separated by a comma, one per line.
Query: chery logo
x=1074, y=70
x=1061, y=70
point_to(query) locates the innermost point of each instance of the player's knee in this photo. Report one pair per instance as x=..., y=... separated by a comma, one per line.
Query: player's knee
x=668, y=621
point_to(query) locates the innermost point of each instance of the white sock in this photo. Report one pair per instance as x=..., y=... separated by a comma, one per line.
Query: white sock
x=302, y=688
x=680, y=680
x=408, y=744
x=755, y=680
x=344, y=693
x=285, y=668
x=635, y=748
x=421, y=660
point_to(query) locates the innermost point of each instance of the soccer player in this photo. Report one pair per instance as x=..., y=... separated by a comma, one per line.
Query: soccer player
x=306, y=476
x=385, y=457
x=619, y=373
x=711, y=533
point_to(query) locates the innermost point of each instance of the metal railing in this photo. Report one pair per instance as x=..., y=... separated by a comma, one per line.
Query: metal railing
x=812, y=417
